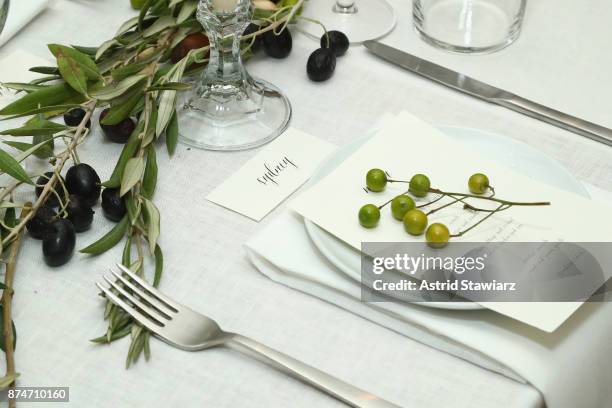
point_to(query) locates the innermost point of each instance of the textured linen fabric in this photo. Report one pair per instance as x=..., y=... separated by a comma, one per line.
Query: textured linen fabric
x=559, y=60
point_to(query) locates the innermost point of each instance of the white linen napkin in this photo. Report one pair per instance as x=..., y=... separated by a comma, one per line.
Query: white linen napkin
x=21, y=12
x=570, y=367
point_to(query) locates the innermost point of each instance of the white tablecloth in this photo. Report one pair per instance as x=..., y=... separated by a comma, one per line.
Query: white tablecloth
x=560, y=60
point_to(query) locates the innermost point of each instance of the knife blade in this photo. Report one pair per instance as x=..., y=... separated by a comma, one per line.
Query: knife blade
x=489, y=93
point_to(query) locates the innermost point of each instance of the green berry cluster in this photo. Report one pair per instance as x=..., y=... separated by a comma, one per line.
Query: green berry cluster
x=404, y=208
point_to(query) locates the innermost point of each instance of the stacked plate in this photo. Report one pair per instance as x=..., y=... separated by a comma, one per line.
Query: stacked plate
x=515, y=155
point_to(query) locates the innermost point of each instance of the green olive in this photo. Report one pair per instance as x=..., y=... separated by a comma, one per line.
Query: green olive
x=437, y=235
x=376, y=180
x=400, y=205
x=369, y=215
x=478, y=183
x=415, y=222
x=419, y=185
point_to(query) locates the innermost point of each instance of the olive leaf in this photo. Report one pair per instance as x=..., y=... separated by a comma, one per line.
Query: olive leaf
x=132, y=174
x=37, y=126
x=167, y=99
x=47, y=143
x=10, y=220
x=115, y=90
x=176, y=86
x=41, y=151
x=110, y=239
x=150, y=132
x=159, y=265
x=126, y=26
x=48, y=110
x=77, y=58
x=172, y=134
x=175, y=2
x=143, y=13
x=73, y=74
x=159, y=25
x=187, y=11
x=19, y=86
x=149, y=180
x=8, y=380
x=133, y=208
x=125, y=71
x=106, y=45
x=116, y=335
x=90, y=51
x=122, y=111
x=45, y=70
x=47, y=96
x=12, y=167
x=152, y=222
x=126, y=154
x=2, y=341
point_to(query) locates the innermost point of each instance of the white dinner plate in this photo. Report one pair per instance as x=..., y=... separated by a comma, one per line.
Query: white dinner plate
x=518, y=156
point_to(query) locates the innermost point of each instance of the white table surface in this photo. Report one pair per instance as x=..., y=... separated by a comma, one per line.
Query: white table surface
x=560, y=60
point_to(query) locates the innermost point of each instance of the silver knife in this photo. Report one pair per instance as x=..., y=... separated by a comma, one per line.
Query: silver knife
x=490, y=93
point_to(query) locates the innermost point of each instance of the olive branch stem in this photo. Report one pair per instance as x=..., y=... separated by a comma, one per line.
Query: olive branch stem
x=89, y=108
x=7, y=298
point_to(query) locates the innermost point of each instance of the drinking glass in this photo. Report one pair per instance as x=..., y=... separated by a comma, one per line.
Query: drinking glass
x=360, y=20
x=469, y=26
x=4, y=6
x=229, y=109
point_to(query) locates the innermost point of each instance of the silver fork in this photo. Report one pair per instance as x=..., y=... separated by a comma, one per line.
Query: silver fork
x=181, y=327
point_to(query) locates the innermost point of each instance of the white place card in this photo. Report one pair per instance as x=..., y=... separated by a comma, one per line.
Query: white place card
x=272, y=175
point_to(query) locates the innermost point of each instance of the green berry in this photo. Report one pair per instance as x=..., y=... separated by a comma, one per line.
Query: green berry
x=369, y=215
x=400, y=205
x=376, y=180
x=415, y=222
x=478, y=183
x=419, y=185
x=437, y=235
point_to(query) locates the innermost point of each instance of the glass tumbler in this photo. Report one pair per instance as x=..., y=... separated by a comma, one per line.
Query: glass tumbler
x=469, y=26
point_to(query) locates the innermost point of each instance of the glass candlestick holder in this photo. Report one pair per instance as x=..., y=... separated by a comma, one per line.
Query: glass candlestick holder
x=229, y=109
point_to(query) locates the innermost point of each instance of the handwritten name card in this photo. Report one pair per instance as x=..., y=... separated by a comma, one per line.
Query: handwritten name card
x=272, y=175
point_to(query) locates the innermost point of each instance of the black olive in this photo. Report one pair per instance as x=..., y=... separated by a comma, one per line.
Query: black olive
x=57, y=187
x=58, y=243
x=39, y=225
x=120, y=132
x=82, y=180
x=321, y=65
x=338, y=42
x=277, y=46
x=113, y=205
x=253, y=28
x=74, y=117
x=79, y=213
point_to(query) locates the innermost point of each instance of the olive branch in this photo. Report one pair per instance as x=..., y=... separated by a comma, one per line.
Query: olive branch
x=133, y=76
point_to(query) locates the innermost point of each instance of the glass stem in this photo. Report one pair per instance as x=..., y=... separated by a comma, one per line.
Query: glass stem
x=225, y=64
x=345, y=7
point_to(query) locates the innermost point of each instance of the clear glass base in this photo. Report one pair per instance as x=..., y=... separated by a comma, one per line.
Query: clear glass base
x=255, y=115
x=366, y=20
x=475, y=27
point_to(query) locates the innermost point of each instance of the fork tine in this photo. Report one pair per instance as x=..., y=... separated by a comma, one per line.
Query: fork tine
x=146, y=285
x=144, y=308
x=150, y=299
x=141, y=318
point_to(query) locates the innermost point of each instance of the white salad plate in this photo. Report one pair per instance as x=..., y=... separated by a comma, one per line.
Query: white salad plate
x=517, y=156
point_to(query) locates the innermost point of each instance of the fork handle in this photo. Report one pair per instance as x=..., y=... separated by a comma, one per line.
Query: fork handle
x=333, y=386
